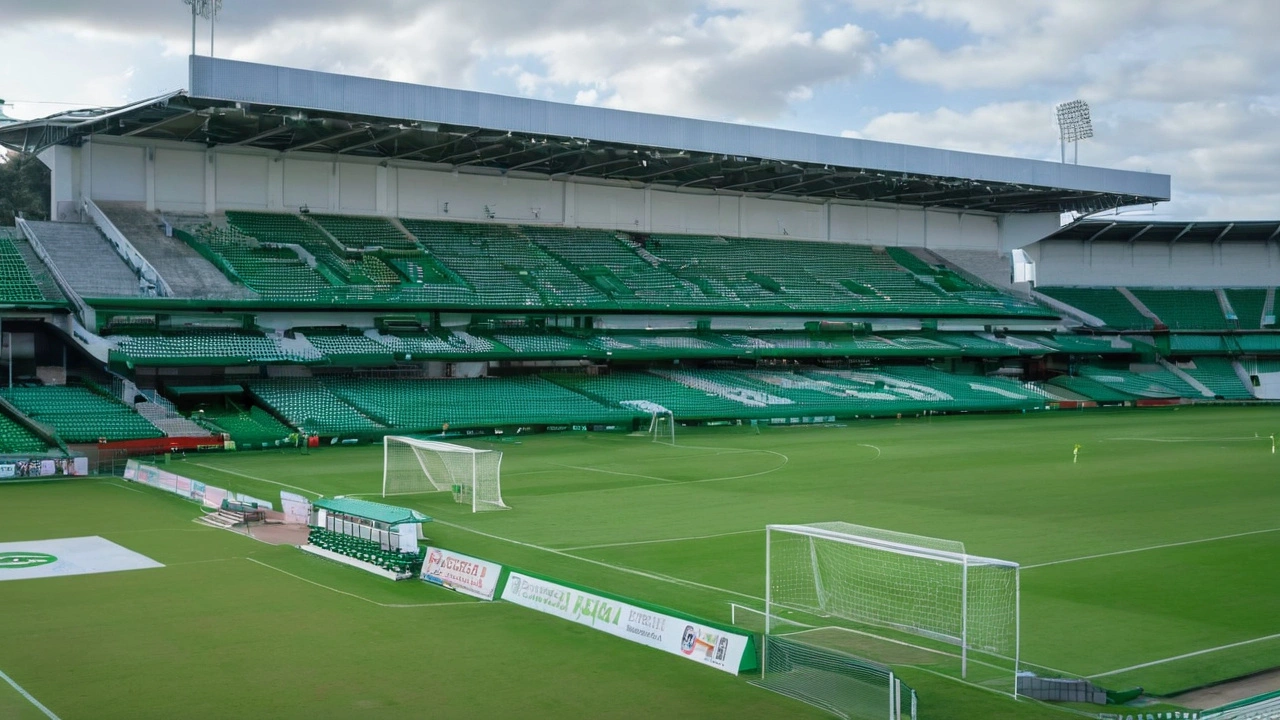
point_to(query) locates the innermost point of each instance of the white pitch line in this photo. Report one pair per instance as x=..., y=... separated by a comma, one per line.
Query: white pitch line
x=1182, y=438
x=251, y=477
x=553, y=551
x=619, y=568
x=1185, y=656
x=616, y=472
x=359, y=597
x=663, y=540
x=39, y=706
x=873, y=447
x=1151, y=547
x=122, y=487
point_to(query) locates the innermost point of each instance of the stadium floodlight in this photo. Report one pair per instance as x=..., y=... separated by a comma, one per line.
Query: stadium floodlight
x=1074, y=125
x=207, y=9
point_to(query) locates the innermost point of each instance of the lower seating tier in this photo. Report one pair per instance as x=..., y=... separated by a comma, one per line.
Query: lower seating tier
x=80, y=415
x=16, y=438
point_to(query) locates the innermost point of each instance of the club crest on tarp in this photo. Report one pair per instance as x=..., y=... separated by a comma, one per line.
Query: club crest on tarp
x=17, y=560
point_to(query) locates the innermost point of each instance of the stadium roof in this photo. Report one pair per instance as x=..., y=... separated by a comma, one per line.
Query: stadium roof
x=1168, y=231
x=288, y=110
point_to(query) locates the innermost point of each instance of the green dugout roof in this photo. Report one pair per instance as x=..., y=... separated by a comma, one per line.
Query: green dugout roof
x=377, y=512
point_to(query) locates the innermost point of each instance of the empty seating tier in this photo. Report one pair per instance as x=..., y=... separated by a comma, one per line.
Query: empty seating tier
x=254, y=428
x=309, y=405
x=1184, y=309
x=1107, y=304
x=202, y=348
x=1248, y=304
x=17, y=284
x=337, y=258
x=1219, y=375
x=80, y=415
x=1134, y=384
x=16, y=438
x=427, y=405
x=356, y=232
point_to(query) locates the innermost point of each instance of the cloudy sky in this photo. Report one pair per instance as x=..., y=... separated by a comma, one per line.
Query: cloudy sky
x=1189, y=88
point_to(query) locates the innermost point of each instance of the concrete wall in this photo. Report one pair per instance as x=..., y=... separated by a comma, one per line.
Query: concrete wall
x=1156, y=264
x=184, y=177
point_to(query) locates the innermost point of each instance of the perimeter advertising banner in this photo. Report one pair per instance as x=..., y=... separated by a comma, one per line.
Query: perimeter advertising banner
x=683, y=637
x=467, y=575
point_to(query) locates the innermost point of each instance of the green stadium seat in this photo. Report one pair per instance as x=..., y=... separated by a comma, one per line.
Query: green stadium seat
x=80, y=415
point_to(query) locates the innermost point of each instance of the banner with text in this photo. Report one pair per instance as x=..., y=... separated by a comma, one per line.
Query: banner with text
x=467, y=575
x=679, y=636
x=21, y=468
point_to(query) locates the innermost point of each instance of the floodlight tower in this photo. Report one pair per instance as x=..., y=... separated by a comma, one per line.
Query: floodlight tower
x=207, y=9
x=1074, y=125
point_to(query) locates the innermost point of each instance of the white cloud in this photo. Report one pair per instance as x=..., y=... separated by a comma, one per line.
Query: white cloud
x=1224, y=157
x=1186, y=88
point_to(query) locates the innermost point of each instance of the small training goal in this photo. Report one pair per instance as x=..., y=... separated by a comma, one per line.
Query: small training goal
x=472, y=475
x=662, y=427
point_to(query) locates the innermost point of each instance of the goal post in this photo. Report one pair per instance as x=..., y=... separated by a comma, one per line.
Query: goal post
x=472, y=475
x=662, y=427
x=954, y=604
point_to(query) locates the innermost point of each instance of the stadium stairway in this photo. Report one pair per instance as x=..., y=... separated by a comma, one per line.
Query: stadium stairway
x=168, y=420
x=1140, y=305
x=68, y=244
x=189, y=275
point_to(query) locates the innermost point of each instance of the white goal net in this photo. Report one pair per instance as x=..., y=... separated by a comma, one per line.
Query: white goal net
x=958, y=605
x=662, y=427
x=412, y=466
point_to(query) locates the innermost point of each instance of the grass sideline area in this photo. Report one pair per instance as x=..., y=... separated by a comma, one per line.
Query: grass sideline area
x=1158, y=543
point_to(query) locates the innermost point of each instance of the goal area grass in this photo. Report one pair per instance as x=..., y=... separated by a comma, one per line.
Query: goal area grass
x=1149, y=561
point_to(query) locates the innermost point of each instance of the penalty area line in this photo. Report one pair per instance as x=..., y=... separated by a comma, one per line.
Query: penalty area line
x=619, y=568
x=252, y=477
x=663, y=540
x=359, y=597
x=29, y=697
x=1184, y=656
x=1150, y=547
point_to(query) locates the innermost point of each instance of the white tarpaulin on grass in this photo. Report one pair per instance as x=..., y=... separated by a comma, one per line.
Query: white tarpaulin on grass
x=67, y=556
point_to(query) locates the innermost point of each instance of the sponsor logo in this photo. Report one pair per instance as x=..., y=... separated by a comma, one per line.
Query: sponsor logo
x=19, y=560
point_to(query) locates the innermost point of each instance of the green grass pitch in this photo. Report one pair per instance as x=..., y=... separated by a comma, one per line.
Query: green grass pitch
x=1148, y=562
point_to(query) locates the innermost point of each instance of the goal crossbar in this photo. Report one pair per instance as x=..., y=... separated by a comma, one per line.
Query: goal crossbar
x=472, y=475
x=894, y=547
x=920, y=585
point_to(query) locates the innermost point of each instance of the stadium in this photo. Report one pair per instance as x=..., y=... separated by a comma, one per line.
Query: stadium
x=865, y=427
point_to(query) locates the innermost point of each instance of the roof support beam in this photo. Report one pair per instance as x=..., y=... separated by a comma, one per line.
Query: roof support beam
x=260, y=136
x=1140, y=233
x=1184, y=231
x=376, y=141
x=1098, y=234
x=161, y=123
x=478, y=152
x=1225, y=230
x=595, y=166
x=548, y=158
x=448, y=143
x=757, y=181
x=326, y=139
